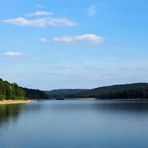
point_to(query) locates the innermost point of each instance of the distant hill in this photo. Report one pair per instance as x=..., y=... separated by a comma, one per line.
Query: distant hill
x=35, y=94
x=64, y=93
x=125, y=91
x=12, y=91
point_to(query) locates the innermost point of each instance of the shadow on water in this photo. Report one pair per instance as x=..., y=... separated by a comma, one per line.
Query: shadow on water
x=9, y=113
x=124, y=106
x=114, y=108
x=105, y=105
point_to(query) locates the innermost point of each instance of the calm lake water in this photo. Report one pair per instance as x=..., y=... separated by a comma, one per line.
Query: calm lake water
x=75, y=124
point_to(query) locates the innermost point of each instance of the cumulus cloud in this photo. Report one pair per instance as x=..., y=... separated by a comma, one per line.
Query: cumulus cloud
x=12, y=54
x=40, y=22
x=43, y=40
x=85, y=38
x=92, y=11
x=40, y=13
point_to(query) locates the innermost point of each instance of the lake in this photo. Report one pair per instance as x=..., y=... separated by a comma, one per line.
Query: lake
x=75, y=124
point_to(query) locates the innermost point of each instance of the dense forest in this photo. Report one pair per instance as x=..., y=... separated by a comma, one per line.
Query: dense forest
x=35, y=94
x=125, y=91
x=64, y=93
x=11, y=91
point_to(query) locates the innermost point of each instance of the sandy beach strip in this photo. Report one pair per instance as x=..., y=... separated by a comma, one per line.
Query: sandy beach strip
x=87, y=98
x=15, y=101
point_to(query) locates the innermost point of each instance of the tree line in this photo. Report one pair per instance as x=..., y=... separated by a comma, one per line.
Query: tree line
x=125, y=91
x=11, y=91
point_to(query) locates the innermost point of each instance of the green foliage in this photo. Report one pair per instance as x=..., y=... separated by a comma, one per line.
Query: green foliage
x=35, y=94
x=64, y=93
x=10, y=91
x=126, y=91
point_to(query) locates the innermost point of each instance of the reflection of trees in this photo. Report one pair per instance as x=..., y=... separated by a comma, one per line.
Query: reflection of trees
x=9, y=113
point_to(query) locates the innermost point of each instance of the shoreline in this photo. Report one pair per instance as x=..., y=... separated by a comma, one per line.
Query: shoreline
x=87, y=98
x=4, y=102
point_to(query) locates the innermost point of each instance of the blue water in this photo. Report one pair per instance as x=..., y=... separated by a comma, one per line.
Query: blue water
x=75, y=124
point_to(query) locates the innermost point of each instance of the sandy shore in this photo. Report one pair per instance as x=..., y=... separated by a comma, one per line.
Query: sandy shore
x=87, y=98
x=15, y=101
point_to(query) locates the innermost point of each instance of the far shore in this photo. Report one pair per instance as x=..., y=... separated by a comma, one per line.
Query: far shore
x=15, y=101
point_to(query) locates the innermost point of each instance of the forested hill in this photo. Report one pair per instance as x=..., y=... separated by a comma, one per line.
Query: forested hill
x=11, y=91
x=35, y=94
x=64, y=93
x=125, y=91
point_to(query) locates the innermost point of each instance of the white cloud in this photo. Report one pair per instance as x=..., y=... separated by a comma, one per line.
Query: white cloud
x=86, y=38
x=40, y=22
x=12, y=54
x=92, y=11
x=40, y=13
x=43, y=40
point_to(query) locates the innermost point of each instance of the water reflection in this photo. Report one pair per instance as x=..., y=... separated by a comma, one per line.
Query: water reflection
x=128, y=106
x=104, y=105
x=9, y=113
x=75, y=124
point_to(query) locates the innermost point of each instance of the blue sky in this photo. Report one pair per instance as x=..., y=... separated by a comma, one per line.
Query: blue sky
x=51, y=44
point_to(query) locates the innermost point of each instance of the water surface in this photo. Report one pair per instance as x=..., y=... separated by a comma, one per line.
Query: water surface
x=75, y=124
